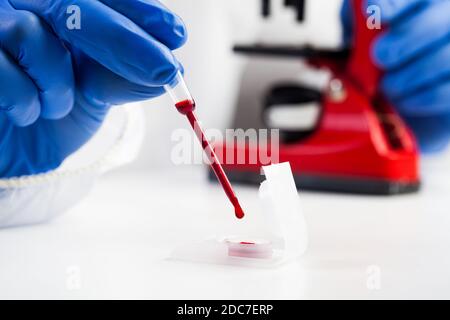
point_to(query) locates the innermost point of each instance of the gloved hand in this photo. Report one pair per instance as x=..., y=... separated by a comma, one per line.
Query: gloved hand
x=415, y=55
x=57, y=82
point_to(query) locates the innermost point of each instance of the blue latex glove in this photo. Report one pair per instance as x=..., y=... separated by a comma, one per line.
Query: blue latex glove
x=57, y=84
x=415, y=54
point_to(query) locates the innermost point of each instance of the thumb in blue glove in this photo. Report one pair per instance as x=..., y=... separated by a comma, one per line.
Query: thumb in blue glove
x=415, y=55
x=57, y=84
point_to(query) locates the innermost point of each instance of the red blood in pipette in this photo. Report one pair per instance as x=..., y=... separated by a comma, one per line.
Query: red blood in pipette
x=187, y=108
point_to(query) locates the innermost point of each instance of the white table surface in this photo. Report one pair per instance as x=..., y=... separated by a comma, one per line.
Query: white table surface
x=116, y=242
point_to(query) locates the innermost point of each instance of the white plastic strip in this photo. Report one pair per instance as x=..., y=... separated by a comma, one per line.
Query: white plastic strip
x=273, y=236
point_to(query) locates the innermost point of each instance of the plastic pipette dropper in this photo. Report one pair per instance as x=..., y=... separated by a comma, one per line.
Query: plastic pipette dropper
x=185, y=104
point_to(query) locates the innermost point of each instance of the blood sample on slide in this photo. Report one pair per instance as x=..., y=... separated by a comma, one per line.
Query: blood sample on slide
x=254, y=249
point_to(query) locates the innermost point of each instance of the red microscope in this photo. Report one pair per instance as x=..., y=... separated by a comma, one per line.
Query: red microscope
x=360, y=144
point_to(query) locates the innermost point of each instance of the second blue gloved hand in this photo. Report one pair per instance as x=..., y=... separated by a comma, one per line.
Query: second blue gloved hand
x=58, y=83
x=415, y=55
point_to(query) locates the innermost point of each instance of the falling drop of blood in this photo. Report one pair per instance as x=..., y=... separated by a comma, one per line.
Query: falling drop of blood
x=239, y=212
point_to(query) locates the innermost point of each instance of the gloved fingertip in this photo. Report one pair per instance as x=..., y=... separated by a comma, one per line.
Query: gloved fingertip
x=427, y=148
x=173, y=30
x=180, y=35
x=386, y=8
x=180, y=67
x=165, y=74
x=385, y=55
x=432, y=132
x=432, y=144
x=58, y=106
x=24, y=116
